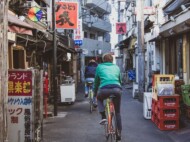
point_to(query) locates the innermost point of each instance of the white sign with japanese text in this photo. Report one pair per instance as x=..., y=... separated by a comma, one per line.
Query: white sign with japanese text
x=20, y=104
x=78, y=33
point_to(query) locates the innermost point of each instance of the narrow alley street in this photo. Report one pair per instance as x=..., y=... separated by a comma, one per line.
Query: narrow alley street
x=74, y=123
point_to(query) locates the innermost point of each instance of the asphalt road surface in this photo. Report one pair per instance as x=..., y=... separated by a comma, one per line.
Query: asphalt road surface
x=75, y=123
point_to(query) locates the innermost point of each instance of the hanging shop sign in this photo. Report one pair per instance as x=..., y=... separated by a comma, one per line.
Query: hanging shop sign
x=11, y=36
x=78, y=33
x=148, y=10
x=20, y=113
x=66, y=15
x=121, y=28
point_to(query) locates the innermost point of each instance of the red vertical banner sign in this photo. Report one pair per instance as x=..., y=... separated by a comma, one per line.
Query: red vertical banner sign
x=20, y=93
x=66, y=15
x=121, y=28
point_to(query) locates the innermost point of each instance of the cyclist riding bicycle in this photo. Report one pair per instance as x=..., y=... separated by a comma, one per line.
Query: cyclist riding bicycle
x=90, y=71
x=108, y=82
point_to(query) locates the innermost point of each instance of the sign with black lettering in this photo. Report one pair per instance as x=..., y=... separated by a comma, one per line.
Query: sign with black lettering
x=121, y=28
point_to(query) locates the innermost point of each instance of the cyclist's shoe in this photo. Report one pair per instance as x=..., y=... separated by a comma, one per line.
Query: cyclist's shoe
x=103, y=121
x=118, y=136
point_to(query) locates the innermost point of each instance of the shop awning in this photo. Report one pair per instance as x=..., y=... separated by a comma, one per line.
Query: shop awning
x=124, y=43
x=128, y=43
x=19, y=30
x=13, y=20
x=181, y=24
x=61, y=46
x=155, y=39
x=36, y=25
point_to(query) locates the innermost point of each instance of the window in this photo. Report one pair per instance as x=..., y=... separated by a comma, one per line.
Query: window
x=18, y=59
x=92, y=36
x=85, y=35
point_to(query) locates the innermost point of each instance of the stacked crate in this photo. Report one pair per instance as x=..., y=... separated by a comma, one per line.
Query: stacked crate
x=162, y=80
x=178, y=90
x=165, y=107
x=186, y=98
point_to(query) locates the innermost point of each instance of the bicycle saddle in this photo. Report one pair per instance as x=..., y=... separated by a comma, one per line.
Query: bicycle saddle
x=89, y=83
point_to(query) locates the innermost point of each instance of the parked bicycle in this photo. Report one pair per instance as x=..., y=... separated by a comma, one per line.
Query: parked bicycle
x=90, y=95
x=111, y=130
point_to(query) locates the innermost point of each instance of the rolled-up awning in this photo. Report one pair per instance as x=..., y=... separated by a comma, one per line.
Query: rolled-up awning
x=19, y=30
x=18, y=26
x=15, y=21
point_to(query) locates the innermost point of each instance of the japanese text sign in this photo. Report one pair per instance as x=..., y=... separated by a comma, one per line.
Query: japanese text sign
x=121, y=28
x=20, y=105
x=78, y=33
x=20, y=83
x=66, y=15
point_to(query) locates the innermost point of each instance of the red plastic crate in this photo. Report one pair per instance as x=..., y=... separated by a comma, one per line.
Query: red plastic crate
x=168, y=101
x=168, y=124
x=156, y=109
x=168, y=113
x=156, y=120
x=153, y=117
x=154, y=104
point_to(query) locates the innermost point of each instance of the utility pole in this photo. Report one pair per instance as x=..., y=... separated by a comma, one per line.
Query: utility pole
x=54, y=59
x=141, y=56
x=3, y=69
x=118, y=20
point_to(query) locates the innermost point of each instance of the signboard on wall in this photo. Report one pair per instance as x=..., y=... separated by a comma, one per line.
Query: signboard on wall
x=67, y=15
x=20, y=112
x=148, y=10
x=121, y=28
x=78, y=33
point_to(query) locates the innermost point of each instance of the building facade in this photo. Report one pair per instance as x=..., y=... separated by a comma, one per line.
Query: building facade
x=96, y=29
x=166, y=39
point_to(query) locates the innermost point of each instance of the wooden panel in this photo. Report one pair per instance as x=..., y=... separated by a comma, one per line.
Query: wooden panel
x=3, y=69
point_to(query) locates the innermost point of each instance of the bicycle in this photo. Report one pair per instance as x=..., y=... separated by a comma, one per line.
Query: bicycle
x=110, y=127
x=90, y=95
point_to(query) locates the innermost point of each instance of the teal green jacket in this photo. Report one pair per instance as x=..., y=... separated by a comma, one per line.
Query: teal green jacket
x=106, y=73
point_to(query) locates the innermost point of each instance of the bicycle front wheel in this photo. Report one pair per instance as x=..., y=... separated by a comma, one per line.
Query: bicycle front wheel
x=112, y=126
x=91, y=101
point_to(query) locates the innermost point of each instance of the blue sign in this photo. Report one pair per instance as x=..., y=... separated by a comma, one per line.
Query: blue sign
x=131, y=74
x=78, y=42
